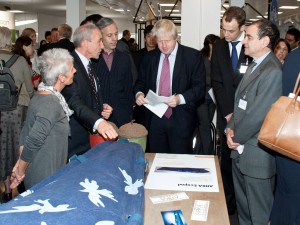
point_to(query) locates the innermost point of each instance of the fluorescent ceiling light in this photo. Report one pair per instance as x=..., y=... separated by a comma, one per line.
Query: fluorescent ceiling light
x=277, y=13
x=259, y=16
x=288, y=7
x=119, y=10
x=169, y=10
x=178, y=14
x=253, y=19
x=226, y=5
x=16, y=11
x=166, y=4
x=24, y=22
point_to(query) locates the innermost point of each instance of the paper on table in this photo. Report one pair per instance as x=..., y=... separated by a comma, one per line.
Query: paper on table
x=183, y=173
x=156, y=104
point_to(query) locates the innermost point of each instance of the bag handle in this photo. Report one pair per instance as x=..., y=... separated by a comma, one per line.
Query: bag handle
x=296, y=84
x=294, y=104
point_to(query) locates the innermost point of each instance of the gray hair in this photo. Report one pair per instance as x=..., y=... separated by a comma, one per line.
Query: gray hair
x=5, y=38
x=163, y=27
x=54, y=62
x=104, y=22
x=82, y=33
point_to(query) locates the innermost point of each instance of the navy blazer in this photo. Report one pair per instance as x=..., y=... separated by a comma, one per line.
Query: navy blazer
x=223, y=79
x=116, y=86
x=188, y=80
x=80, y=98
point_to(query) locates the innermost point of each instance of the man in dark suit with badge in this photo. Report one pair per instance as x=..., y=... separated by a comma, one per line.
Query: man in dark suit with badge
x=253, y=165
x=227, y=67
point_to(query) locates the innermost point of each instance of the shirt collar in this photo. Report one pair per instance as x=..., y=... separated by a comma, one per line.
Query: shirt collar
x=85, y=61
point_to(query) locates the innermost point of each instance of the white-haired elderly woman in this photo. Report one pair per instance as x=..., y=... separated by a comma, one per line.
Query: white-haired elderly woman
x=44, y=137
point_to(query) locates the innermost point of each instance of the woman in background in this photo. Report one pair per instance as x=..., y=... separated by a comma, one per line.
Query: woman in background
x=44, y=137
x=31, y=33
x=24, y=47
x=282, y=49
x=12, y=121
x=204, y=143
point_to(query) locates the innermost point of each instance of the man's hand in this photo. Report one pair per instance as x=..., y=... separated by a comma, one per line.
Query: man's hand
x=230, y=143
x=107, y=111
x=107, y=130
x=173, y=101
x=228, y=117
x=140, y=99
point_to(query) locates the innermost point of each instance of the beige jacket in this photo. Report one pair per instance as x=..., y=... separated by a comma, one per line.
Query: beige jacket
x=22, y=75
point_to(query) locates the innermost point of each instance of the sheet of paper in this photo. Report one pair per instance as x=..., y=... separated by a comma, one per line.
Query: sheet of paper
x=169, y=198
x=200, y=210
x=156, y=104
x=155, y=99
x=158, y=109
x=183, y=173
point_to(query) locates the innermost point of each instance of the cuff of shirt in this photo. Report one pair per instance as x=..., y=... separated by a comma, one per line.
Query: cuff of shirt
x=97, y=124
x=182, y=100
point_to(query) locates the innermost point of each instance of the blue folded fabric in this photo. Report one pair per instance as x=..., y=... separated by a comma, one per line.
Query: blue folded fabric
x=103, y=186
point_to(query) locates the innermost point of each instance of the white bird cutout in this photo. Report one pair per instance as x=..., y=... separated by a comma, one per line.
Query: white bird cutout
x=44, y=207
x=94, y=193
x=131, y=189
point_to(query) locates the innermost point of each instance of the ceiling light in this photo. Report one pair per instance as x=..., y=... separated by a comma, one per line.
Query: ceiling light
x=119, y=10
x=289, y=20
x=253, y=19
x=166, y=4
x=169, y=10
x=16, y=11
x=178, y=14
x=288, y=7
x=259, y=16
x=225, y=5
x=279, y=12
x=24, y=22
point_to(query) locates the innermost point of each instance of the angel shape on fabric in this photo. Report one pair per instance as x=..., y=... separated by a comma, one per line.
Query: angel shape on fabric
x=45, y=206
x=94, y=193
x=131, y=189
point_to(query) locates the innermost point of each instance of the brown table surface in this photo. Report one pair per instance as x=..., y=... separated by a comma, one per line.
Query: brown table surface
x=217, y=212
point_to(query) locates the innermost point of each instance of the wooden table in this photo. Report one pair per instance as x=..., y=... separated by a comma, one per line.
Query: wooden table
x=217, y=213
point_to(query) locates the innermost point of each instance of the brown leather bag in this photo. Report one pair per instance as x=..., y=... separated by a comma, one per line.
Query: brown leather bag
x=281, y=128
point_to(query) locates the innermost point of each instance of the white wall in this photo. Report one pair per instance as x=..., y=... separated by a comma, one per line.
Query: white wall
x=47, y=22
x=44, y=22
x=198, y=19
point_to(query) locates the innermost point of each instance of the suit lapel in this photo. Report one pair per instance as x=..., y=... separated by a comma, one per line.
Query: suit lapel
x=155, y=64
x=255, y=74
x=80, y=66
x=177, y=67
x=227, y=58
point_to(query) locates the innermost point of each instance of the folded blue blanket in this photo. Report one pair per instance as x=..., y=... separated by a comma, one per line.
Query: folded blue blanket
x=102, y=187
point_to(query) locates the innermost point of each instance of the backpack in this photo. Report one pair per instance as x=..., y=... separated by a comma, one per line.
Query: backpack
x=9, y=93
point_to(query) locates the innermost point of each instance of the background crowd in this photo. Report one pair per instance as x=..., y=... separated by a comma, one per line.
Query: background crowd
x=70, y=90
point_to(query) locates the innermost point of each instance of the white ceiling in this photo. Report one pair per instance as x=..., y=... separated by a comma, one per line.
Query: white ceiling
x=105, y=7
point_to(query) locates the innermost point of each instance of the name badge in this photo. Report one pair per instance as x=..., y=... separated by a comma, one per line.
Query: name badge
x=242, y=104
x=243, y=68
